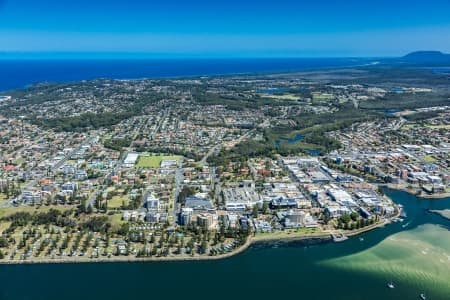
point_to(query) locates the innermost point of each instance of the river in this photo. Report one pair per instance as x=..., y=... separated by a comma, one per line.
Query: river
x=414, y=254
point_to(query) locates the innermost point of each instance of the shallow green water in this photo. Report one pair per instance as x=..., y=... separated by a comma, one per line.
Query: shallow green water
x=413, y=257
x=418, y=259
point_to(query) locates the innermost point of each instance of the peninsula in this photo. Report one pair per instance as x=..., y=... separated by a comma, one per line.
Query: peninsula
x=201, y=167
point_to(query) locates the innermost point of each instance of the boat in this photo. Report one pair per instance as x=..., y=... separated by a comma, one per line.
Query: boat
x=403, y=226
x=423, y=297
x=361, y=239
x=390, y=285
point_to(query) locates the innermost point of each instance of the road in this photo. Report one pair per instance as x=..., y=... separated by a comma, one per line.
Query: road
x=158, y=126
x=100, y=187
x=54, y=168
x=178, y=186
x=218, y=146
x=210, y=152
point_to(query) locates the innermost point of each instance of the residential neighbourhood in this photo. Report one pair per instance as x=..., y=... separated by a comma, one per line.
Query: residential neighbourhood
x=200, y=167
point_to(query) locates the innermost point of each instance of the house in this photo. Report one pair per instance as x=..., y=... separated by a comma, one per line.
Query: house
x=69, y=186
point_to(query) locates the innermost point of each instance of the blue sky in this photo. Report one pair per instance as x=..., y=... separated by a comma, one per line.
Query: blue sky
x=223, y=28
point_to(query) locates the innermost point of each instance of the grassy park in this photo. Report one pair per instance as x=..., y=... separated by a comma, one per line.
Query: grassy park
x=117, y=201
x=429, y=159
x=154, y=160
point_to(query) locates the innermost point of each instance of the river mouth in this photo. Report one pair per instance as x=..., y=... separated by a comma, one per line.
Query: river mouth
x=358, y=268
x=417, y=261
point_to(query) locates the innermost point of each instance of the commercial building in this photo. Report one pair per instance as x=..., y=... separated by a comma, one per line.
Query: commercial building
x=130, y=160
x=241, y=198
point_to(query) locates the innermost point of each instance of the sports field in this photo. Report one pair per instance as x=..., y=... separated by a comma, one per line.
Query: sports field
x=154, y=161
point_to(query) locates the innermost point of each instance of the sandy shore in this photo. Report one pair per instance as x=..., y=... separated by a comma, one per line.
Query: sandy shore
x=445, y=213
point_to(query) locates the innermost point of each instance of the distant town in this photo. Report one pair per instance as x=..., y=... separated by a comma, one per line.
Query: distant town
x=200, y=168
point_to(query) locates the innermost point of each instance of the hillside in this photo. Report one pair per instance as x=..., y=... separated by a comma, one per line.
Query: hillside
x=426, y=57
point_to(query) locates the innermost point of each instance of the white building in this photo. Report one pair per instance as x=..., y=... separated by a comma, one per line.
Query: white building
x=341, y=197
x=130, y=160
x=241, y=198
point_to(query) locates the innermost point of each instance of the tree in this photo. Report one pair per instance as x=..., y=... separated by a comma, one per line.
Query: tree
x=82, y=206
x=98, y=201
x=203, y=247
x=255, y=211
x=265, y=207
x=345, y=218
x=107, y=240
x=326, y=218
x=3, y=242
x=354, y=216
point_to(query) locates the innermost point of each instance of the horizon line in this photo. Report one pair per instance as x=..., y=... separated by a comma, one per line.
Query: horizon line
x=136, y=55
x=49, y=55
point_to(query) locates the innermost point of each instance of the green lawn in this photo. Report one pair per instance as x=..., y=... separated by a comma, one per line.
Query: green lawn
x=116, y=220
x=429, y=159
x=407, y=126
x=19, y=161
x=3, y=198
x=300, y=232
x=154, y=161
x=116, y=201
x=283, y=97
x=439, y=126
x=6, y=211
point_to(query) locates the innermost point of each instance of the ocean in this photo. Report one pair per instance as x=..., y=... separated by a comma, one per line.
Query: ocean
x=15, y=74
x=414, y=255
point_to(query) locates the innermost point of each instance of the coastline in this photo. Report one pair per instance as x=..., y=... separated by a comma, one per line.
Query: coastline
x=300, y=65
x=326, y=235
x=261, y=238
x=127, y=259
x=322, y=237
x=443, y=213
x=421, y=195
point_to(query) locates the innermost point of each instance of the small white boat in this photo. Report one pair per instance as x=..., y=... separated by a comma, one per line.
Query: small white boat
x=390, y=285
x=423, y=297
